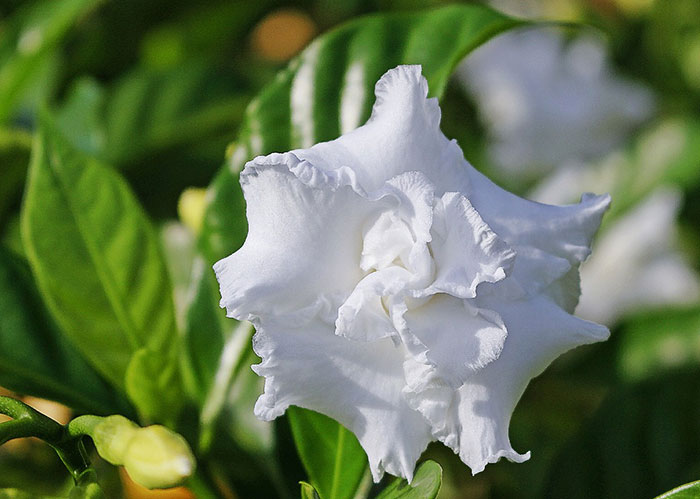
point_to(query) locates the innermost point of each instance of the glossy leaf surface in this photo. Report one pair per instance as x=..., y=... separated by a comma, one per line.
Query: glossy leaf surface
x=35, y=358
x=97, y=262
x=331, y=454
x=426, y=484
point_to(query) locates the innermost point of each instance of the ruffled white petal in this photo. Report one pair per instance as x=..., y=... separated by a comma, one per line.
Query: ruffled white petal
x=468, y=252
x=473, y=420
x=364, y=315
x=402, y=135
x=358, y=384
x=297, y=259
x=550, y=240
x=454, y=337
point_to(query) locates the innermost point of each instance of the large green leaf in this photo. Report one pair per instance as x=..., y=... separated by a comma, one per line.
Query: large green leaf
x=687, y=491
x=331, y=454
x=99, y=266
x=339, y=70
x=35, y=358
x=425, y=485
x=30, y=36
x=643, y=440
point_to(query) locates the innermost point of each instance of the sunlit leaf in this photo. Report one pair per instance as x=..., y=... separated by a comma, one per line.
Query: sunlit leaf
x=97, y=262
x=331, y=454
x=687, y=491
x=35, y=358
x=426, y=484
x=308, y=491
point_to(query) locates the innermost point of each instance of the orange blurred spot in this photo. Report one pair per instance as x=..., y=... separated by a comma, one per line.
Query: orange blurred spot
x=135, y=491
x=282, y=34
x=54, y=410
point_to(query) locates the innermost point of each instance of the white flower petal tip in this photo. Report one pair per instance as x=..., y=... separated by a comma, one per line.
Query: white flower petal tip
x=510, y=455
x=397, y=290
x=404, y=89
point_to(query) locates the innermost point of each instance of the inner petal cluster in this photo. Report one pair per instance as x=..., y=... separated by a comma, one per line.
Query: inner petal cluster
x=422, y=258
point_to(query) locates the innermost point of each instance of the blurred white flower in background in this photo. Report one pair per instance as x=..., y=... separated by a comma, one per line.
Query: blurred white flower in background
x=637, y=262
x=557, y=113
x=546, y=101
x=397, y=290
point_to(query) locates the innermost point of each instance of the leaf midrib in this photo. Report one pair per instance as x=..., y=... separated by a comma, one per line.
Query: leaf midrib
x=340, y=442
x=114, y=297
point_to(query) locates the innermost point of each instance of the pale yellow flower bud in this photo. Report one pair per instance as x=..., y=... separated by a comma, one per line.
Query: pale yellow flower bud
x=158, y=458
x=111, y=437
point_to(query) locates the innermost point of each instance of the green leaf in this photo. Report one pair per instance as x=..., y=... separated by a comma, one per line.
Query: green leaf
x=20, y=494
x=31, y=35
x=15, y=146
x=308, y=491
x=426, y=484
x=688, y=491
x=98, y=264
x=666, y=153
x=149, y=111
x=35, y=358
x=149, y=382
x=80, y=116
x=203, y=332
x=644, y=439
x=658, y=340
x=331, y=454
x=229, y=366
x=364, y=48
x=154, y=110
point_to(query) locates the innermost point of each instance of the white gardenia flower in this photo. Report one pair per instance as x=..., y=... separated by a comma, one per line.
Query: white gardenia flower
x=546, y=101
x=397, y=290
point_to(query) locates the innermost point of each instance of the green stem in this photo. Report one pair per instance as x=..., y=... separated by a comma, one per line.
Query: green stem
x=28, y=422
x=83, y=425
x=34, y=422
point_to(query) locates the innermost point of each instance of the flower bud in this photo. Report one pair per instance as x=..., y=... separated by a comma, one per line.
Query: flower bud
x=158, y=458
x=190, y=208
x=111, y=437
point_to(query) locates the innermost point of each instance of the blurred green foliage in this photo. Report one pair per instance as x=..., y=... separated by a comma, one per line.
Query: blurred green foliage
x=130, y=102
